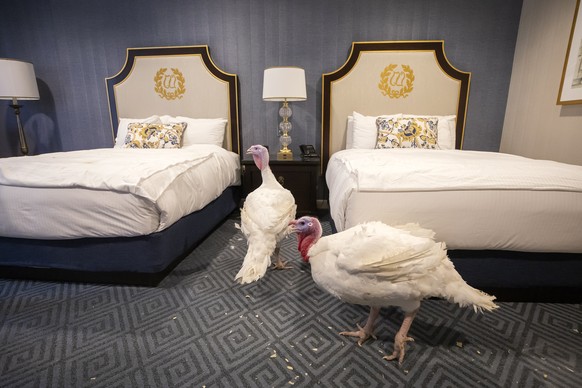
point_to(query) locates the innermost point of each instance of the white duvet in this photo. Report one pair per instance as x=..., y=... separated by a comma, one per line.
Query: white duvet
x=429, y=170
x=472, y=199
x=164, y=185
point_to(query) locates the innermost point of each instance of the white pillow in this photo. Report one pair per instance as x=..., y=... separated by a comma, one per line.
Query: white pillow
x=446, y=128
x=200, y=131
x=365, y=133
x=448, y=140
x=350, y=133
x=122, y=128
x=167, y=119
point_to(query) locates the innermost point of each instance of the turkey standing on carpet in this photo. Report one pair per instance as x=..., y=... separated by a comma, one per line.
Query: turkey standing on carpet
x=377, y=265
x=265, y=218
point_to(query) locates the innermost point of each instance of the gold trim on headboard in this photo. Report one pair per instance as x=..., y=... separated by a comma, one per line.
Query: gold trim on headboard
x=413, y=77
x=198, y=88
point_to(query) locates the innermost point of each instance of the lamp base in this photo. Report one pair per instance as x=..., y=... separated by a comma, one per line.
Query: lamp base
x=21, y=135
x=285, y=154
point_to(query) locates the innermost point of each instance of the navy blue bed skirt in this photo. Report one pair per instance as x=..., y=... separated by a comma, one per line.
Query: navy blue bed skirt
x=131, y=260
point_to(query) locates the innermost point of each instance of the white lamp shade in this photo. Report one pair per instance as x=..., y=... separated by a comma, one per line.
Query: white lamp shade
x=17, y=80
x=284, y=83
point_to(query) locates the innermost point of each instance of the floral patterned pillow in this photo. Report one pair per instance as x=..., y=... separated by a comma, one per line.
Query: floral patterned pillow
x=144, y=135
x=407, y=132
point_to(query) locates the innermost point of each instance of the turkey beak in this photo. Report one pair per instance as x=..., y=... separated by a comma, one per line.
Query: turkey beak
x=293, y=226
x=249, y=151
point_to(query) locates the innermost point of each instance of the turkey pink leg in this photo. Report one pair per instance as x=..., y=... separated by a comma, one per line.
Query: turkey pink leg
x=364, y=333
x=280, y=264
x=402, y=337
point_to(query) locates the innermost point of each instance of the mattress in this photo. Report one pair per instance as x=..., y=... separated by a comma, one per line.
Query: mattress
x=472, y=200
x=110, y=192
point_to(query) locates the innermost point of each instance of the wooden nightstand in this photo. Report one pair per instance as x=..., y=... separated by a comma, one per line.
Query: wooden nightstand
x=298, y=176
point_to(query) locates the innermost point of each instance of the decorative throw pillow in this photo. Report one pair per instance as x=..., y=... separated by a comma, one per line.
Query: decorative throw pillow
x=407, y=133
x=364, y=131
x=143, y=135
x=447, y=130
x=124, y=123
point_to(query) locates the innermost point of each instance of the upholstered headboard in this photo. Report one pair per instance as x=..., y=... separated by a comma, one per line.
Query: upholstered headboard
x=175, y=81
x=412, y=77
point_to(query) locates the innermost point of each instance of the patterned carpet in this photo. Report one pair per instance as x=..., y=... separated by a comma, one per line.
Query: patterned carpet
x=200, y=329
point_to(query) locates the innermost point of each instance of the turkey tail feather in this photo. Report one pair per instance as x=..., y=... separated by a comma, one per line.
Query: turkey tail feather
x=465, y=295
x=255, y=263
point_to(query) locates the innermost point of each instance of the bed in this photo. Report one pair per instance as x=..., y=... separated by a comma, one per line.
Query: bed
x=128, y=214
x=392, y=134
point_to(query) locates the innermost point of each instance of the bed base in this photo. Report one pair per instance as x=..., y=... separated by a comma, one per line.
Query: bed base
x=142, y=260
x=522, y=276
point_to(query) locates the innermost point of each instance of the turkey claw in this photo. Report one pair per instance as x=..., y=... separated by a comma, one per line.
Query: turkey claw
x=360, y=333
x=399, y=351
x=282, y=265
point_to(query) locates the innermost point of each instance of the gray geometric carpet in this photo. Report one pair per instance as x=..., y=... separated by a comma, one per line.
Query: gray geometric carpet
x=200, y=329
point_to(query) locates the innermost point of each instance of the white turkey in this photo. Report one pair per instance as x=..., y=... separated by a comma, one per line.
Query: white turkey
x=265, y=218
x=377, y=265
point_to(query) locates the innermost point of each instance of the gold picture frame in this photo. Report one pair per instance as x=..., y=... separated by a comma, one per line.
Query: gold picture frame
x=571, y=84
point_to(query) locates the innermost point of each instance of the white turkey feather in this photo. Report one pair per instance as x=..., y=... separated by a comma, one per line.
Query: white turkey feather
x=400, y=263
x=377, y=265
x=265, y=218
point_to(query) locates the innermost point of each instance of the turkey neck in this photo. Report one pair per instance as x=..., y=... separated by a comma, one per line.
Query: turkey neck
x=268, y=177
x=262, y=163
x=305, y=242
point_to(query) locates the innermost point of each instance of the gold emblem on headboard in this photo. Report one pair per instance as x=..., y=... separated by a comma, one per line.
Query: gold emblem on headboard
x=396, y=81
x=170, y=85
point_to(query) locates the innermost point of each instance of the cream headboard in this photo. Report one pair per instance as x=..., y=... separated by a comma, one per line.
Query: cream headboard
x=175, y=81
x=412, y=77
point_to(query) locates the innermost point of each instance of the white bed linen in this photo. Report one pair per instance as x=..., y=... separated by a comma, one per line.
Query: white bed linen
x=110, y=192
x=472, y=199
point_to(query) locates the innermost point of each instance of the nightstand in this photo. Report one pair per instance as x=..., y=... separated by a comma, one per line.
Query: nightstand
x=298, y=176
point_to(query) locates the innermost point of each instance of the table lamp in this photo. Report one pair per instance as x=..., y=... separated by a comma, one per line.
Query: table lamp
x=284, y=84
x=18, y=82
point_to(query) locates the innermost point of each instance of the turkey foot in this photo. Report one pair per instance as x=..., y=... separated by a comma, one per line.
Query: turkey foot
x=280, y=264
x=364, y=333
x=399, y=348
x=402, y=338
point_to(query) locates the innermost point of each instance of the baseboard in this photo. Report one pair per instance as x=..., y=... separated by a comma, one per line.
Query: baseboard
x=322, y=204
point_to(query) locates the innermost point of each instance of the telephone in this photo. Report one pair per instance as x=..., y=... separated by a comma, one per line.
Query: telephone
x=308, y=151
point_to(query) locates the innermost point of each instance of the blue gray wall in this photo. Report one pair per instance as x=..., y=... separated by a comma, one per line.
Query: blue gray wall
x=75, y=44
